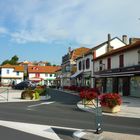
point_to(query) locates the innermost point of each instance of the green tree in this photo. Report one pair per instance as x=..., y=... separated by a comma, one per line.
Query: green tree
x=5, y=62
x=48, y=64
x=12, y=61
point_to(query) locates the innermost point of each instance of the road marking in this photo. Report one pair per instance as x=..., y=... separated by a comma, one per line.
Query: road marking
x=44, y=103
x=35, y=129
x=45, y=131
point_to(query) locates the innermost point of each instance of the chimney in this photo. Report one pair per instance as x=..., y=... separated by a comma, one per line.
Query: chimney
x=109, y=47
x=133, y=40
x=124, y=39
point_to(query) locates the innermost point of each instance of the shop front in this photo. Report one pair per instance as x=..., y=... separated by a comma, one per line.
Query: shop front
x=86, y=79
x=135, y=86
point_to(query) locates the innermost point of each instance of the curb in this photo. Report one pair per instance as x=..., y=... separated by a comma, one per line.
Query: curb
x=87, y=135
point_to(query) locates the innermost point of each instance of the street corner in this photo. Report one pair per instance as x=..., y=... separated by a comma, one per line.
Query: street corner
x=87, y=135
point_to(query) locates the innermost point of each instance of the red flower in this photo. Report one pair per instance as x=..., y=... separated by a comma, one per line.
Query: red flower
x=110, y=100
x=89, y=95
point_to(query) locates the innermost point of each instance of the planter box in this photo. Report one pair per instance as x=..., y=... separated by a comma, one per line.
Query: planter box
x=88, y=102
x=111, y=110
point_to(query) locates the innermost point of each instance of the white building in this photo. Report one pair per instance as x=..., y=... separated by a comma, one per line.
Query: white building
x=42, y=74
x=11, y=73
x=85, y=63
x=119, y=70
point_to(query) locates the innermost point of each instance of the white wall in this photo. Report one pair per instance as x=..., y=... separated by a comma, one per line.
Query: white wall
x=8, y=78
x=130, y=59
x=81, y=59
x=116, y=43
x=12, y=73
x=43, y=76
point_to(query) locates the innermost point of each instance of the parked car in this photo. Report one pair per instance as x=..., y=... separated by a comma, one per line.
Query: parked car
x=24, y=85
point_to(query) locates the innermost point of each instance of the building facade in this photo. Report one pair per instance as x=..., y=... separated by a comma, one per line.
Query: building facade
x=43, y=74
x=119, y=70
x=85, y=63
x=69, y=65
x=11, y=74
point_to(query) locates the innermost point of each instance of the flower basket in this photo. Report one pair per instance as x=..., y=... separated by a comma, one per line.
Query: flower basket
x=110, y=102
x=86, y=102
x=88, y=97
x=115, y=109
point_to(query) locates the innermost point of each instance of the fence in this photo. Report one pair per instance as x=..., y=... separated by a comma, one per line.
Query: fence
x=4, y=94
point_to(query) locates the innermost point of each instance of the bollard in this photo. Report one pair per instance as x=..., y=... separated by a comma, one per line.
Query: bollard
x=98, y=118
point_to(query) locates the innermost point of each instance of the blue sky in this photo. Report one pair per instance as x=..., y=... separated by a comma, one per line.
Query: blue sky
x=44, y=29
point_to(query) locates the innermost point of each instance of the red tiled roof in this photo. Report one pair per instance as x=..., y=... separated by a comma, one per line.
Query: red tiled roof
x=78, y=52
x=43, y=69
x=16, y=67
x=121, y=49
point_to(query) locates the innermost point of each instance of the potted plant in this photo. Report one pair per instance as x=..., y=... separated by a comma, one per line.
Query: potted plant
x=110, y=102
x=88, y=97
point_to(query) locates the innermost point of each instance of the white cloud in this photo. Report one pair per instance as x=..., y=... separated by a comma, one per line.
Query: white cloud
x=79, y=20
x=3, y=30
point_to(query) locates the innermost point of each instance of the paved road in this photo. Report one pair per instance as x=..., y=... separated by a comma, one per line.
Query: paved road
x=60, y=111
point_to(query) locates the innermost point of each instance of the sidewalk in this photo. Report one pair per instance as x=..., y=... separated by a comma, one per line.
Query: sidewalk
x=129, y=108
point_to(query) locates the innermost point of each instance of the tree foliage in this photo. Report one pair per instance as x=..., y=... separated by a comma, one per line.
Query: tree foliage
x=12, y=61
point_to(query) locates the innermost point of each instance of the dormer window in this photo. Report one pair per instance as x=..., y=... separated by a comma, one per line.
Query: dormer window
x=35, y=68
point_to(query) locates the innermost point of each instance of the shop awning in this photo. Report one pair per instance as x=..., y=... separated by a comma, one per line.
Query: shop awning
x=76, y=74
x=113, y=75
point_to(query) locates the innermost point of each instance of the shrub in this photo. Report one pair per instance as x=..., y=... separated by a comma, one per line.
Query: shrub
x=30, y=94
x=41, y=91
x=27, y=94
x=36, y=95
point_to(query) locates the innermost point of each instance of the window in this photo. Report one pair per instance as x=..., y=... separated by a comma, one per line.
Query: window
x=37, y=75
x=109, y=63
x=100, y=65
x=87, y=63
x=79, y=66
x=50, y=75
x=46, y=75
x=17, y=73
x=83, y=64
x=138, y=56
x=121, y=61
x=7, y=71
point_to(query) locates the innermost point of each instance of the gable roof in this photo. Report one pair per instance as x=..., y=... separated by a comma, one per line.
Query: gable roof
x=15, y=67
x=121, y=49
x=43, y=69
x=98, y=46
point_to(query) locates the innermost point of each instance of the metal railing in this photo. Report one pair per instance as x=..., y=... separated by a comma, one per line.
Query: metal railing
x=4, y=93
